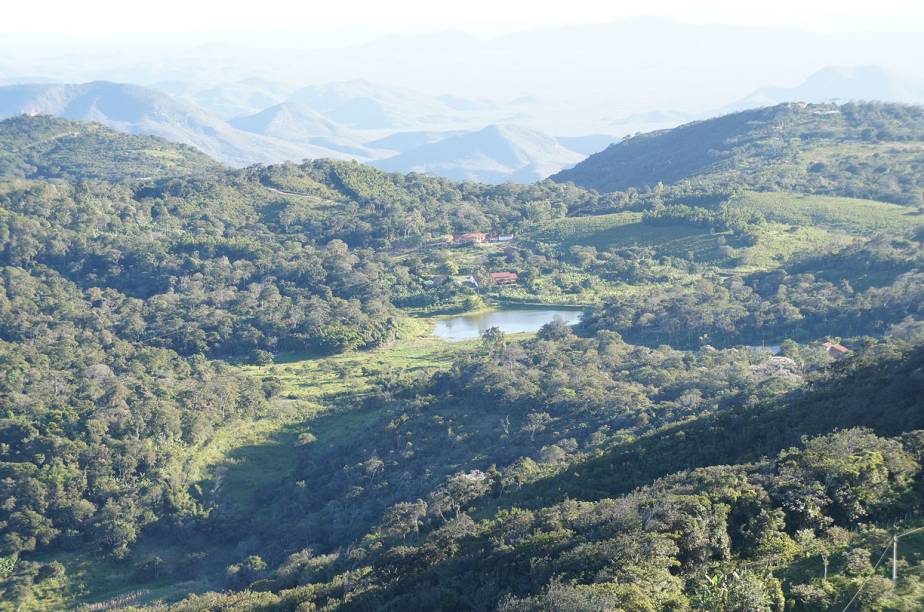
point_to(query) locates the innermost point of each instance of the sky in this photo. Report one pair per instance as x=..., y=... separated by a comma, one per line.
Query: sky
x=352, y=20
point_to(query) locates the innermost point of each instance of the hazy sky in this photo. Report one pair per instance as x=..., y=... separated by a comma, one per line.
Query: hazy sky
x=582, y=79
x=371, y=18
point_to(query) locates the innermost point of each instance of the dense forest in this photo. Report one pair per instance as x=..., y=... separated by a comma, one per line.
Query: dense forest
x=217, y=389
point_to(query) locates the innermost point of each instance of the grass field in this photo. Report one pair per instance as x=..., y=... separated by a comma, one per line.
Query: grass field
x=619, y=230
x=849, y=215
x=316, y=379
x=600, y=231
x=863, y=217
x=777, y=242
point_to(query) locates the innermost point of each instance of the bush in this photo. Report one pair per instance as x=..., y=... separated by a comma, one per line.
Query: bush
x=857, y=562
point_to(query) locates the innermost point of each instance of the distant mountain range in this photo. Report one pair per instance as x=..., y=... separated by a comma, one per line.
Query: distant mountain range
x=494, y=154
x=139, y=110
x=831, y=84
x=350, y=120
x=261, y=121
x=300, y=124
x=569, y=79
x=363, y=105
x=228, y=100
x=842, y=84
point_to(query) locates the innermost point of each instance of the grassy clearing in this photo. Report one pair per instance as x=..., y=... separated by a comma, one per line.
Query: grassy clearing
x=320, y=379
x=777, y=243
x=620, y=230
x=600, y=231
x=315, y=387
x=864, y=217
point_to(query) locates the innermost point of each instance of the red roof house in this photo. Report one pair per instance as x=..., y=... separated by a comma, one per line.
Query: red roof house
x=835, y=350
x=503, y=278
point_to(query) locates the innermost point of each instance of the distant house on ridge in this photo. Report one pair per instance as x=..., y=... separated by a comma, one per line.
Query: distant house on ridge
x=835, y=350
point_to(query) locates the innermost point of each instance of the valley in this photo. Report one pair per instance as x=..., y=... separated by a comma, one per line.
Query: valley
x=225, y=389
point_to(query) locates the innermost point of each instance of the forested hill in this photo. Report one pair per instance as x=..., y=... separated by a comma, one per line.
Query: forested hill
x=200, y=258
x=219, y=391
x=873, y=150
x=47, y=147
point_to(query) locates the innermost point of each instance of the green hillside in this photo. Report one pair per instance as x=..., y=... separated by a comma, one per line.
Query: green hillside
x=46, y=148
x=219, y=389
x=870, y=150
x=852, y=216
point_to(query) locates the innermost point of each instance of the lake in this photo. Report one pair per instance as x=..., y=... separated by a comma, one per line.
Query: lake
x=510, y=321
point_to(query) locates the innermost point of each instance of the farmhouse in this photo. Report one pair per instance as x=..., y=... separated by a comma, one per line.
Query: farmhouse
x=469, y=238
x=503, y=278
x=835, y=350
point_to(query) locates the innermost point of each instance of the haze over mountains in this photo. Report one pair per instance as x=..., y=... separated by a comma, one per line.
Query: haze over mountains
x=840, y=84
x=397, y=129
x=582, y=78
x=228, y=99
x=352, y=120
x=139, y=110
x=494, y=154
x=516, y=107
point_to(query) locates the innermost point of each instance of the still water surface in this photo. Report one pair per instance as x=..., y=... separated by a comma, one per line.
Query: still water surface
x=510, y=321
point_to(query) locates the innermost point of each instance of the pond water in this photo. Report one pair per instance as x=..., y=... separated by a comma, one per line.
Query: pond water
x=510, y=321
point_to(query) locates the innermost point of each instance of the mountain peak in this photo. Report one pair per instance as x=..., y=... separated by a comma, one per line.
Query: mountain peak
x=493, y=154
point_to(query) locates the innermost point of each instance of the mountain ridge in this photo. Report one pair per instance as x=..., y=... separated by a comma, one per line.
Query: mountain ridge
x=140, y=110
x=794, y=146
x=493, y=154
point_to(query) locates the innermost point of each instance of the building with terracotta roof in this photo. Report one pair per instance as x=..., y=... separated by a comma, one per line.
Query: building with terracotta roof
x=835, y=350
x=503, y=278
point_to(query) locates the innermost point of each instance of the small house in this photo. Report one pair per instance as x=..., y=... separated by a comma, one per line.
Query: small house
x=469, y=238
x=502, y=238
x=503, y=278
x=835, y=350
